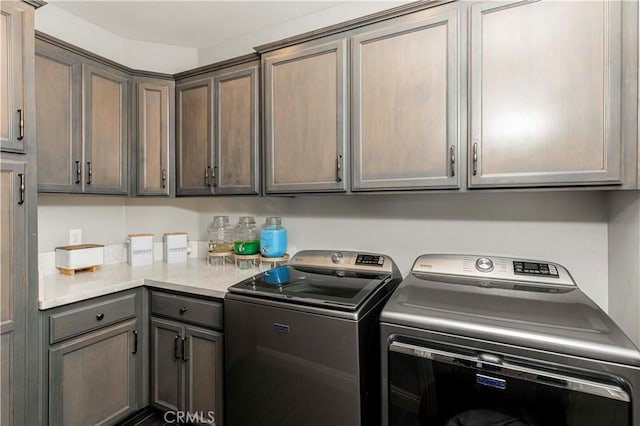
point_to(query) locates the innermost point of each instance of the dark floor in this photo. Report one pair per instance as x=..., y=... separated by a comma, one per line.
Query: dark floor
x=146, y=417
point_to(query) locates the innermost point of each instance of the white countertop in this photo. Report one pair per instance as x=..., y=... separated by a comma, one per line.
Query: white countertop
x=194, y=276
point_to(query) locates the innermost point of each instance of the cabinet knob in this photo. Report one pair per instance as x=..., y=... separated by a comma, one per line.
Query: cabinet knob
x=100, y=316
x=183, y=310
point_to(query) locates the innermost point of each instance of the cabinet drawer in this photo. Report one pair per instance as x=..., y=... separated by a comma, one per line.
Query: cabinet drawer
x=182, y=308
x=90, y=317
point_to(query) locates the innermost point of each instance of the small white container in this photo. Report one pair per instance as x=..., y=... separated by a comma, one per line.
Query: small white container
x=175, y=247
x=140, y=249
x=81, y=256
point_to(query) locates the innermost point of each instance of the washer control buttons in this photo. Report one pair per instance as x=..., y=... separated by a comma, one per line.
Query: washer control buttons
x=337, y=257
x=484, y=264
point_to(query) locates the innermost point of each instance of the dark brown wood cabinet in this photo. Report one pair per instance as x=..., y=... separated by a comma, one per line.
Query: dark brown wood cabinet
x=154, y=168
x=218, y=130
x=82, y=123
x=405, y=100
x=306, y=117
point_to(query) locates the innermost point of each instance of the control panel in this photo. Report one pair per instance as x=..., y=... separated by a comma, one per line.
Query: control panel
x=535, y=268
x=486, y=269
x=369, y=259
x=343, y=260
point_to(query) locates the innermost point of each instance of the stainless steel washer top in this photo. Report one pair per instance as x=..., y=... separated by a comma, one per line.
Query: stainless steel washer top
x=522, y=302
x=331, y=279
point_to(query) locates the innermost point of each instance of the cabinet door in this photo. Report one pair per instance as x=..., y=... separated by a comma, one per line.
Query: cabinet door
x=204, y=353
x=58, y=122
x=405, y=104
x=305, y=114
x=92, y=378
x=545, y=90
x=13, y=16
x=155, y=141
x=236, y=127
x=13, y=291
x=105, y=100
x=194, y=143
x=166, y=364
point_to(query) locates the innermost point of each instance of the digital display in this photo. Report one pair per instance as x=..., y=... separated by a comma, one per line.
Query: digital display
x=369, y=260
x=531, y=268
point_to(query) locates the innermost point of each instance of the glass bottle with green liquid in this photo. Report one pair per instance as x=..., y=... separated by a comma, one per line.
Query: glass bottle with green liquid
x=247, y=236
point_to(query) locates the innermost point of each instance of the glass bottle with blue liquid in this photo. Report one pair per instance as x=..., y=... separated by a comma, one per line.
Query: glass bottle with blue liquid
x=273, y=238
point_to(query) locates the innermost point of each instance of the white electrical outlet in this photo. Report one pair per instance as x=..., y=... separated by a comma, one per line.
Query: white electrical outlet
x=75, y=236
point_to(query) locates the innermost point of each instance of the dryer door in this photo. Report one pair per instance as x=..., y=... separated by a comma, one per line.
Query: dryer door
x=454, y=387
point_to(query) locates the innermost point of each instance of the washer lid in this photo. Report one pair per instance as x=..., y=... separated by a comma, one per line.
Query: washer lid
x=558, y=318
x=338, y=289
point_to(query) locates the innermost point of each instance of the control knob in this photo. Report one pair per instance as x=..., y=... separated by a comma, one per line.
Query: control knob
x=337, y=257
x=484, y=264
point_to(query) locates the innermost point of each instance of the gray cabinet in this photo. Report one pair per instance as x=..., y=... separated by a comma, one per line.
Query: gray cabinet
x=194, y=136
x=546, y=93
x=96, y=360
x=105, y=117
x=82, y=123
x=405, y=102
x=218, y=132
x=236, y=126
x=155, y=141
x=13, y=292
x=58, y=119
x=16, y=21
x=187, y=356
x=306, y=117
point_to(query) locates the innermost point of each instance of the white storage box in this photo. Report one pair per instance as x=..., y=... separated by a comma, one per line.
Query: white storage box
x=82, y=256
x=175, y=247
x=140, y=249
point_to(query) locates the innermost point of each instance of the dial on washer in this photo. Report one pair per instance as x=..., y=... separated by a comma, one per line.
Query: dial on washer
x=484, y=264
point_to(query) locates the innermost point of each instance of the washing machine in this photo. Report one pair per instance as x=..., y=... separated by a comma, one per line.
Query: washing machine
x=472, y=340
x=302, y=341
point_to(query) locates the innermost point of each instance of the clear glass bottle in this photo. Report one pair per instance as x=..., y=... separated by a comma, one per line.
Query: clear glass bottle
x=273, y=238
x=247, y=236
x=220, y=234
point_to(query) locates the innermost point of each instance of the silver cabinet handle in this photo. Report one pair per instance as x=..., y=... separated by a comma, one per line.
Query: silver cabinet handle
x=22, y=189
x=89, y=172
x=206, y=176
x=339, y=168
x=78, y=172
x=20, y=125
x=164, y=178
x=475, y=158
x=452, y=151
x=213, y=176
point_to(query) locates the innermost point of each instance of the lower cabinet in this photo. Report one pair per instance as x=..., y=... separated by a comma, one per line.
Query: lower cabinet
x=95, y=362
x=186, y=359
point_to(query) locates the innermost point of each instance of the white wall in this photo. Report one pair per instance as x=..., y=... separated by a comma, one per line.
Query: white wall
x=565, y=227
x=624, y=255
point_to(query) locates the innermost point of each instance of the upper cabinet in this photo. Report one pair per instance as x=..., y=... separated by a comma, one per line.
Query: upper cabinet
x=105, y=118
x=14, y=29
x=306, y=117
x=194, y=136
x=405, y=103
x=58, y=119
x=545, y=93
x=236, y=126
x=218, y=132
x=82, y=123
x=155, y=142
